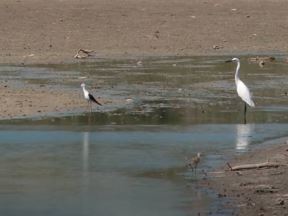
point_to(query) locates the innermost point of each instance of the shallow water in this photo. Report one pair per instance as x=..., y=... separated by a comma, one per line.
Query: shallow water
x=130, y=159
x=117, y=171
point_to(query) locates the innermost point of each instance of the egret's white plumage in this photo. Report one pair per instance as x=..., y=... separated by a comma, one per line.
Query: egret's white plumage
x=242, y=89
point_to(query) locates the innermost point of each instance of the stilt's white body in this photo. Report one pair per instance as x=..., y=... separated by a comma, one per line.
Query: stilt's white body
x=89, y=97
x=242, y=89
x=86, y=93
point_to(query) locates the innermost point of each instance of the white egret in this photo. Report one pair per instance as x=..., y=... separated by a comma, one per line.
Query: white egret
x=242, y=89
x=89, y=97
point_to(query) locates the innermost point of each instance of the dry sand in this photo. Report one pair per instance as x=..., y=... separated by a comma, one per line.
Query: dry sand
x=34, y=31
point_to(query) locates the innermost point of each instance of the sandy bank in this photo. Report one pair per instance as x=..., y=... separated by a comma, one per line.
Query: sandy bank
x=256, y=191
x=52, y=31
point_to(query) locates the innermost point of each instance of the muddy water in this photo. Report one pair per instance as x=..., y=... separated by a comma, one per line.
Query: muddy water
x=130, y=160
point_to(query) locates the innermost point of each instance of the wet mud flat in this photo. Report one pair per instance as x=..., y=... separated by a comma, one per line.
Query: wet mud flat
x=196, y=89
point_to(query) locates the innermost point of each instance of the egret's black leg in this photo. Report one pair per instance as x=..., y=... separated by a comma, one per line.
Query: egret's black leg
x=245, y=111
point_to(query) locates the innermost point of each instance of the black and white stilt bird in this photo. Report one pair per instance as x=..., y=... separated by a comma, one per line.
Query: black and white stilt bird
x=89, y=97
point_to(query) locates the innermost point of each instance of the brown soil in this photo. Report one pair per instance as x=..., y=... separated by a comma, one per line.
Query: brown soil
x=34, y=31
x=30, y=101
x=256, y=191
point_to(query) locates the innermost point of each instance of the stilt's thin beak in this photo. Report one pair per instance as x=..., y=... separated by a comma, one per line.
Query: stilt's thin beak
x=227, y=61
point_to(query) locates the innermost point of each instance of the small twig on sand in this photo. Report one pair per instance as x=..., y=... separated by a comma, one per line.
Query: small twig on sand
x=253, y=166
x=83, y=53
x=228, y=164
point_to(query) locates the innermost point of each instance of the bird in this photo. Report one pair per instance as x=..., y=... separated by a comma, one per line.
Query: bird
x=194, y=161
x=242, y=90
x=89, y=97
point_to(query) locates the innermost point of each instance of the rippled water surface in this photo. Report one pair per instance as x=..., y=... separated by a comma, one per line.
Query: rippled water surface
x=130, y=159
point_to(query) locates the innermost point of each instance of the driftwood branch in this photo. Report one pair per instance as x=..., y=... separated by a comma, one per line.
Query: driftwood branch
x=84, y=53
x=253, y=166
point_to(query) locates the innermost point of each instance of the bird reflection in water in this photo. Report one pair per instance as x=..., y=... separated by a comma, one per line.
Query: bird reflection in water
x=243, y=136
x=85, y=153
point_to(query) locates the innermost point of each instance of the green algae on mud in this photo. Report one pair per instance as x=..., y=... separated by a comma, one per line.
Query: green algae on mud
x=162, y=90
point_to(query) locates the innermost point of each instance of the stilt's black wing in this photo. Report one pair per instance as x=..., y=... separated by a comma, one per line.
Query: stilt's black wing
x=94, y=100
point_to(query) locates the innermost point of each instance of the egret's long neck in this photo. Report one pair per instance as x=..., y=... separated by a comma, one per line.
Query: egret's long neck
x=237, y=71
